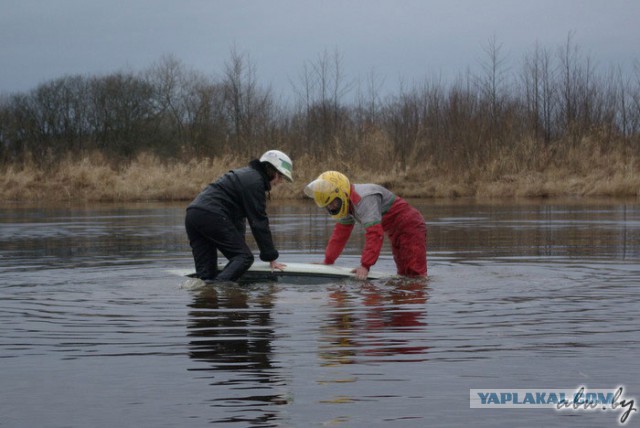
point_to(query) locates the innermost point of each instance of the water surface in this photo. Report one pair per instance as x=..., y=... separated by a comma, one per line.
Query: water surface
x=96, y=332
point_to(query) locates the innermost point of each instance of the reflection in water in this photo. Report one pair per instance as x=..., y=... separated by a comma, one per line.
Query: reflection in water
x=535, y=294
x=378, y=322
x=231, y=330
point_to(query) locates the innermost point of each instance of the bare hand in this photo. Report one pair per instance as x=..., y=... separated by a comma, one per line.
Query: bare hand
x=275, y=265
x=361, y=272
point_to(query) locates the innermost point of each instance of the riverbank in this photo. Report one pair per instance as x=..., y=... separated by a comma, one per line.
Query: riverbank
x=147, y=178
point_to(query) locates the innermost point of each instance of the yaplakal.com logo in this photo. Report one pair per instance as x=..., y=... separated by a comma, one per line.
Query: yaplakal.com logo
x=559, y=399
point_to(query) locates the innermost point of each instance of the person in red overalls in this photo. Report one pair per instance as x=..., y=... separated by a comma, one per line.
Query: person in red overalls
x=379, y=211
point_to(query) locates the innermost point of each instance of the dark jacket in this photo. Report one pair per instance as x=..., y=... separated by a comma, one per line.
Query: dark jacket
x=240, y=195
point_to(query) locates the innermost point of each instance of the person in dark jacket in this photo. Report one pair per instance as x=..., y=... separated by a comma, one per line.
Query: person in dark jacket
x=216, y=219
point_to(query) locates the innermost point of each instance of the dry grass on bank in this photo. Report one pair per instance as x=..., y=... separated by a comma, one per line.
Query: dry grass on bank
x=146, y=178
x=525, y=171
x=92, y=178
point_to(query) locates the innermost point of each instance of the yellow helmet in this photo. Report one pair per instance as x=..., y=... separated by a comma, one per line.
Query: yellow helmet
x=326, y=188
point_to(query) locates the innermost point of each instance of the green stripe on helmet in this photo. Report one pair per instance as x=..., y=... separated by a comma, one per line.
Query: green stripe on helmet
x=286, y=165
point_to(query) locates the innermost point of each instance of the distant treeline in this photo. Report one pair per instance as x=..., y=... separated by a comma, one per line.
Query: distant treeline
x=553, y=99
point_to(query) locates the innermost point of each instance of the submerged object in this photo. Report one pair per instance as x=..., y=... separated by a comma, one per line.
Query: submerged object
x=293, y=272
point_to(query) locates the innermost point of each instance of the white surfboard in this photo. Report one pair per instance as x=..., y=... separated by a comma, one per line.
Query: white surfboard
x=262, y=271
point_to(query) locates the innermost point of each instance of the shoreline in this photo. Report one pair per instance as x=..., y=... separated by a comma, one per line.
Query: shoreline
x=147, y=179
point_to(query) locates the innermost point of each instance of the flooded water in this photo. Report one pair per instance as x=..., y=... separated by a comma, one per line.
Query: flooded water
x=96, y=332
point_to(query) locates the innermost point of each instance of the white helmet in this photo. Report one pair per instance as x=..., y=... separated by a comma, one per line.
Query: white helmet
x=280, y=161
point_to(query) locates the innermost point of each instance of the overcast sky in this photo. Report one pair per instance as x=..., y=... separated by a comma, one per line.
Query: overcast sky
x=397, y=40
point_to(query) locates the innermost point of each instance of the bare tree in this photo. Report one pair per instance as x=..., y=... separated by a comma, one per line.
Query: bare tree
x=538, y=81
x=493, y=85
x=635, y=103
x=169, y=80
x=204, y=109
x=321, y=90
x=368, y=100
x=122, y=113
x=248, y=106
x=404, y=121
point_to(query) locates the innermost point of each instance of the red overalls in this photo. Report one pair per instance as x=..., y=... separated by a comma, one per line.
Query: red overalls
x=405, y=227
